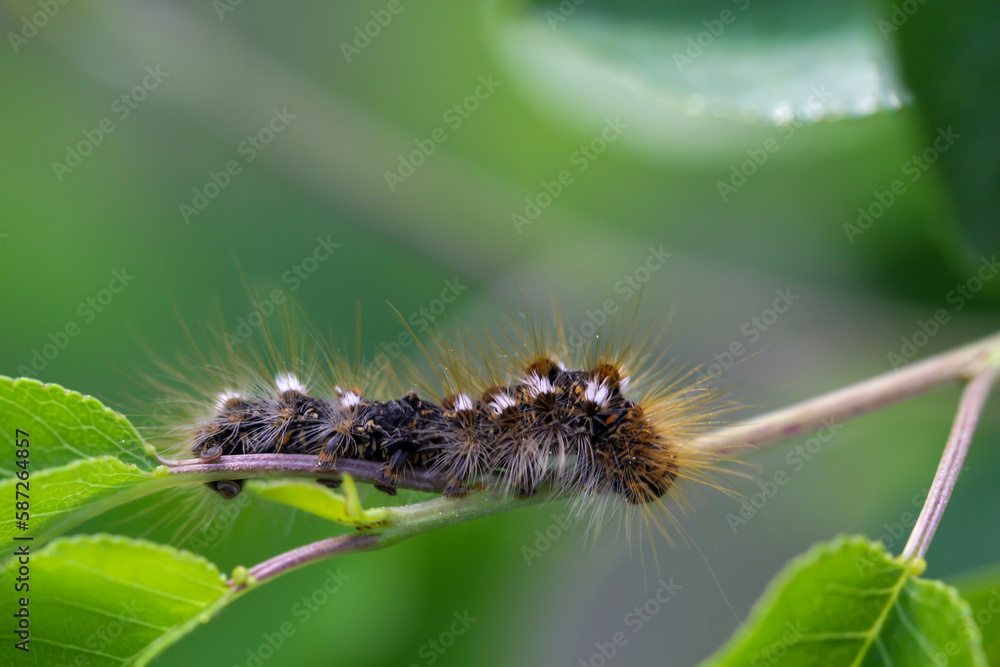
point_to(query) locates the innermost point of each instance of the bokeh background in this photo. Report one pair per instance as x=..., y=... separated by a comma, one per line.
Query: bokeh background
x=755, y=142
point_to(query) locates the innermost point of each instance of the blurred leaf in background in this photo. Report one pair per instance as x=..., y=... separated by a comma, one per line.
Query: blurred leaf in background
x=951, y=60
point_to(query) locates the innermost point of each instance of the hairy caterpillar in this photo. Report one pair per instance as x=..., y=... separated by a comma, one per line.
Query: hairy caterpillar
x=505, y=412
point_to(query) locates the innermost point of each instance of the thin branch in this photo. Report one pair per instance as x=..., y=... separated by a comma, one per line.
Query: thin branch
x=969, y=409
x=289, y=560
x=404, y=522
x=852, y=401
x=298, y=465
x=857, y=399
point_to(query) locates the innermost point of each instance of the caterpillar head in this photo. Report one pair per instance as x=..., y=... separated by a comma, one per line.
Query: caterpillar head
x=640, y=464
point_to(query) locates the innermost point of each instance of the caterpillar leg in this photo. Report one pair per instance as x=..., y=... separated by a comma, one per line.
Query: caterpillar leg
x=210, y=453
x=227, y=488
x=524, y=492
x=389, y=475
x=327, y=461
x=342, y=443
x=386, y=480
x=455, y=488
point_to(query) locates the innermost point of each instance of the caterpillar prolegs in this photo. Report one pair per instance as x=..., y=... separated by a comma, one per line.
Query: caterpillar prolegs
x=509, y=415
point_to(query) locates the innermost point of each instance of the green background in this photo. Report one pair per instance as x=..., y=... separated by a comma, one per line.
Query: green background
x=656, y=185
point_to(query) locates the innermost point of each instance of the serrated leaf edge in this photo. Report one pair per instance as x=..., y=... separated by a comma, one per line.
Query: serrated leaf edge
x=824, y=549
x=89, y=402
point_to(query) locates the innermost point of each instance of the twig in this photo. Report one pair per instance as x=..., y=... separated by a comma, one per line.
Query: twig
x=289, y=560
x=404, y=522
x=852, y=401
x=298, y=465
x=857, y=399
x=962, y=430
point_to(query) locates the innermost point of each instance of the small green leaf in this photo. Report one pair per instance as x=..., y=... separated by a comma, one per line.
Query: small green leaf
x=62, y=426
x=109, y=601
x=319, y=500
x=81, y=458
x=981, y=590
x=849, y=603
x=62, y=497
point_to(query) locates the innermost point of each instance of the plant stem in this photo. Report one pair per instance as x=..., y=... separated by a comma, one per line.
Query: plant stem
x=297, y=465
x=289, y=560
x=404, y=522
x=962, y=430
x=852, y=401
x=857, y=399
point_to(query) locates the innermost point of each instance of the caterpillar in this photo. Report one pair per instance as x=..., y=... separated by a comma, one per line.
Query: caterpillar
x=517, y=412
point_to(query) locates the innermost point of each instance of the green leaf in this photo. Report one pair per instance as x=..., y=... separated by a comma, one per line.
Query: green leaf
x=63, y=426
x=982, y=591
x=109, y=601
x=850, y=603
x=82, y=458
x=951, y=61
x=317, y=499
x=65, y=496
x=694, y=77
